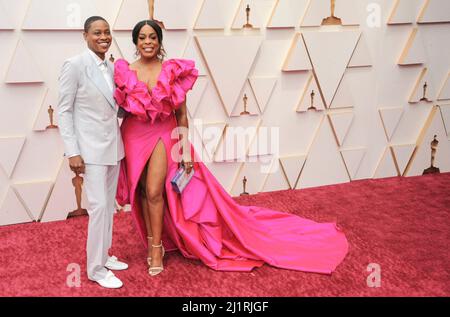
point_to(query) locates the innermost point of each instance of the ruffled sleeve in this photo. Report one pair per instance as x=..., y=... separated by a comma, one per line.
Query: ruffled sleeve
x=177, y=77
x=130, y=94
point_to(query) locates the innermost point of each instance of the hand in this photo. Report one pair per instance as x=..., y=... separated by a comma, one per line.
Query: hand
x=76, y=164
x=188, y=165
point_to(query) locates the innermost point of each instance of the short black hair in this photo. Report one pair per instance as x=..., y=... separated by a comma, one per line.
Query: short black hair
x=92, y=19
x=137, y=28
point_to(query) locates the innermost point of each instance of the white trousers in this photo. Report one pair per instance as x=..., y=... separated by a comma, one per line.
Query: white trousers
x=100, y=185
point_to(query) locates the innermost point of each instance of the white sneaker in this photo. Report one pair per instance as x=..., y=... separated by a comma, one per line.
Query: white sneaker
x=114, y=264
x=110, y=281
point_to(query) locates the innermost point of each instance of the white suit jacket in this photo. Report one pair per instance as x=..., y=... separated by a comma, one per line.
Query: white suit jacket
x=87, y=112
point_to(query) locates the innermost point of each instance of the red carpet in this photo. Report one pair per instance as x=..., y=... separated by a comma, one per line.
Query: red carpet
x=402, y=224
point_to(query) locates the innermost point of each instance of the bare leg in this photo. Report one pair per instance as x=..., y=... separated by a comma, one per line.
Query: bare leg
x=144, y=209
x=156, y=175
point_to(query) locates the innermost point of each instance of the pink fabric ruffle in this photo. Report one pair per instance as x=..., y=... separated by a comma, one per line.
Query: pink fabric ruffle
x=177, y=77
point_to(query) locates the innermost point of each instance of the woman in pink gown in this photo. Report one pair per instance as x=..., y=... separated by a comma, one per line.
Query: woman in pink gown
x=203, y=222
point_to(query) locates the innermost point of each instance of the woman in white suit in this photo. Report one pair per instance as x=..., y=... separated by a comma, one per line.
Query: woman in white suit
x=90, y=131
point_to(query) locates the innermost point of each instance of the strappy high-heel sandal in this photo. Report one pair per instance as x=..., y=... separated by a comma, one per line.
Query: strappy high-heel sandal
x=155, y=270
x=150, y=242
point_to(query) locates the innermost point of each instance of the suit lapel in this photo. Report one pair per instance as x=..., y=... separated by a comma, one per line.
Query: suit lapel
x=96, y=76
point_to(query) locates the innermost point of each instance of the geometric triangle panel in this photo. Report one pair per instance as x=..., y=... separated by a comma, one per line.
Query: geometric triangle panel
x=433, y=136
x=193, y=52
x=386, y=166
x=266, y=142
x=390, y=117
x=361, y=56
x=324, y=164
x=10, y=149
x=435, y=11
x=262, y=88
x=238, y=137
x=220, y=52
x=175, y=42
x=287, y=13
x=176, y=14
x=330, y=68
x=194, y=96
x=402, y=155
x=414, y=50
x=275, y=180
x=404, y=12
x=445, y=112
x=5, y=20
x=34, y=195
x=12, y=211
x=341, y=122
x=130, y=12
x=292, y=167
x=353, y=158
x=312, y=97
x=344, y=95
x=424, y=88
x=22, y=68
x=211, y=16
x=247, y=104
x=444, y=93
x=211, y=134
x=297, y=58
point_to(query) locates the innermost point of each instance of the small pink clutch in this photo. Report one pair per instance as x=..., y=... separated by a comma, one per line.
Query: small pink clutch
x=181, y=179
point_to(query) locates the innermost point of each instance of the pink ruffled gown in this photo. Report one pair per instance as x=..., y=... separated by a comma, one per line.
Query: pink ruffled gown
x=204, y=222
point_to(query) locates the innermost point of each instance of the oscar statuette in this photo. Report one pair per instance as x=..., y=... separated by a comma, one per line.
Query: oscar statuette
x=244, y=183
x=77, y=183
x=432, y=169
x=50, y=115
x=312, y=107
x=247, y=13
x=151, y=8
x=424, y=97
x=245, y=112
x=332, y=19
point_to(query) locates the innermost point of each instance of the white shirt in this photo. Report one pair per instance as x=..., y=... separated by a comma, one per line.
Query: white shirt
x=102, y=65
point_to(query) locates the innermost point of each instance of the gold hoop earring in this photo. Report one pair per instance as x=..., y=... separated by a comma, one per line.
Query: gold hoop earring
x=161, y=53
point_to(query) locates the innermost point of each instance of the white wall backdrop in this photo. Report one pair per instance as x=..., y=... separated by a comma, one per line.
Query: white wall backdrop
x=367, y=75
